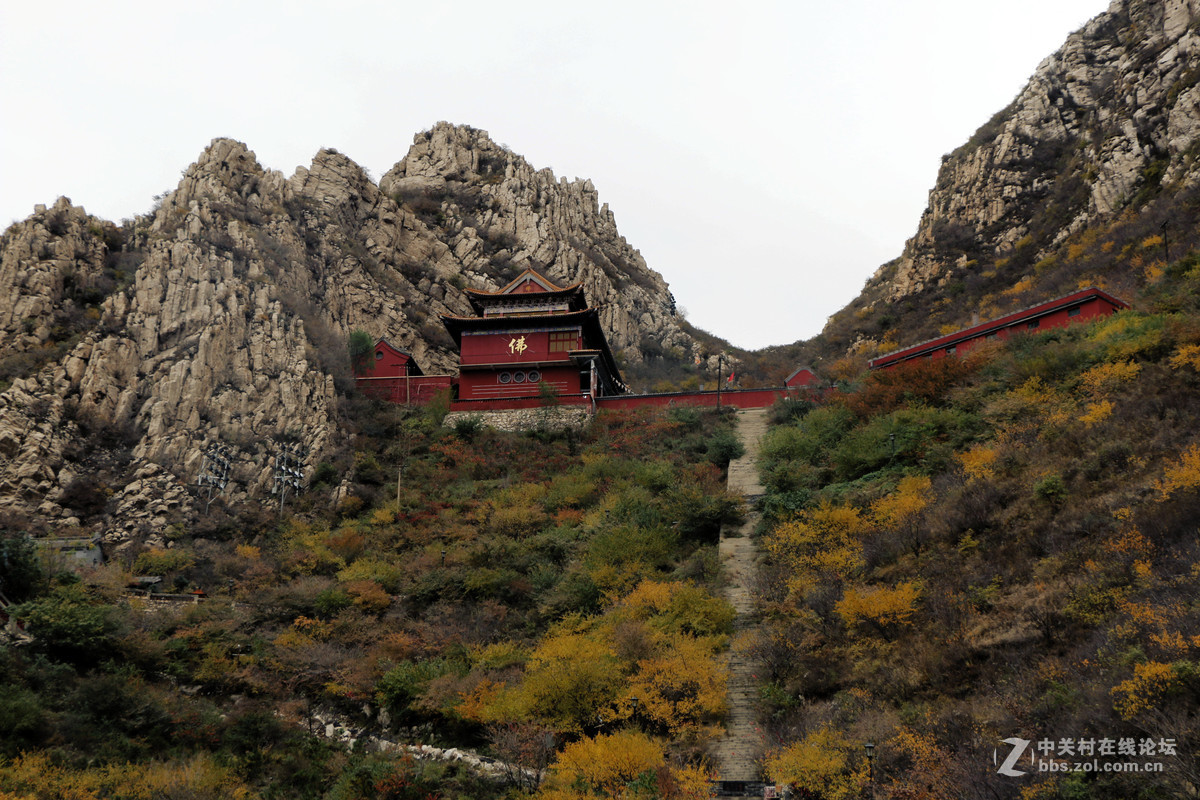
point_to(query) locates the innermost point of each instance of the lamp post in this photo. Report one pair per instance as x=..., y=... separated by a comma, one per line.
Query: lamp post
x=870, y=748
x=720, y=363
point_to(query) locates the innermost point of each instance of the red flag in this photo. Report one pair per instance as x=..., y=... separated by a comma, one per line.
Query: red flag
x=730, y=378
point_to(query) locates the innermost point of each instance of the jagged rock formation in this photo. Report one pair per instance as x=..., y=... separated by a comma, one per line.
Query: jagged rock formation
x=1102, y=125
x=222, y=317
x=495, y=211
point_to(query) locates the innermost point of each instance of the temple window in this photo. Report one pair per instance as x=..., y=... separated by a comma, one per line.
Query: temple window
x=562, y=341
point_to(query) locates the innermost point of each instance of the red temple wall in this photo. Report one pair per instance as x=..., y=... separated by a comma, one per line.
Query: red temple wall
x=504, y=348
x=420, y=390
x=486, y=384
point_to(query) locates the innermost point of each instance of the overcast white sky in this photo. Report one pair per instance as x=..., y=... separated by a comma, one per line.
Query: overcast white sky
x=766, y=160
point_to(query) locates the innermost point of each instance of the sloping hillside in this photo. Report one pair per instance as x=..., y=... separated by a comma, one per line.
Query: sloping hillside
x=1089, y=177
x=970, y=551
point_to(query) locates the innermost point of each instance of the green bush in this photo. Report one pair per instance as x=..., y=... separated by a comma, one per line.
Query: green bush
x=160, y=562
x=724, y=446
x=67, y=625
x=1051, y=489
x=361, y=347
x=329, y=602
x=920, y=438
x=468, y=427
x=695, y=611
x=786, y=410
x=809, y=440
x=404, y=683
x=625, y=545
x=325, y=473
x=20, y=572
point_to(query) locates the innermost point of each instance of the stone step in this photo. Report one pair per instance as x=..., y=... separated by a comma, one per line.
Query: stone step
x=736, y=754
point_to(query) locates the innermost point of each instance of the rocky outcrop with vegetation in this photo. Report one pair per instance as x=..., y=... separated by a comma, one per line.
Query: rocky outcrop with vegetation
x=1103, y=123
x=1088, y=176
x=221, y=318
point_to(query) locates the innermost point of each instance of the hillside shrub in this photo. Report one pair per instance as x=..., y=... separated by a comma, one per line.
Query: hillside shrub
x=921, y=438
x=724, y=446
x=68, y=625
x=879, y=606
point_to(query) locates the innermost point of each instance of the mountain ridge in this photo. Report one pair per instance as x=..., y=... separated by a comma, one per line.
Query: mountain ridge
x=221, y=317
x=1095, y=154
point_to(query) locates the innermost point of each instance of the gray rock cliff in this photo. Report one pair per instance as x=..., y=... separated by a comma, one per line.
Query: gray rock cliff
x=1109, y=117
x=222, y=317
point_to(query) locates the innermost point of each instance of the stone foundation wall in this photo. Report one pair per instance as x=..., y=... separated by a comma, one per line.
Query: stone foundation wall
x=550, y=418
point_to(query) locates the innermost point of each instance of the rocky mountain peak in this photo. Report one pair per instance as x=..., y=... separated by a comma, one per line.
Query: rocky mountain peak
x=1102, y=123
x=498, y=215
x=225, y=169
x=222, y=318
x=450, y=152
x=335, y=181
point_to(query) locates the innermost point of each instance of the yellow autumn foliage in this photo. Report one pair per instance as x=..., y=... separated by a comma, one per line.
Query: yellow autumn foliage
x=1103, y=378
x=900, y=507
x=821, y=544
x=569, y=677
x=1096, y=412
x=1186, y=356
x=676, y=606
x=821, y=763
x=1183, y=474
x=1035, y=400
x=680, y=688
x=879, y=605
x=977, y=463
x=248, y=551
x=1023, y=285
x=931, y=776
x=35, y=775
x=1150, y=684
x=605, y=765
x=649, y=598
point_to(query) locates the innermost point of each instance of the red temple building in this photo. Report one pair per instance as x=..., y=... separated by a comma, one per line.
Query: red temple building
x=1081, y=306
x=391, y=374
x=532, y=338
x=803, y=378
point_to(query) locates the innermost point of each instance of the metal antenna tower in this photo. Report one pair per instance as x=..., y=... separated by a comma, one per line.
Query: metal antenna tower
x=214, y=472
x=289, y=471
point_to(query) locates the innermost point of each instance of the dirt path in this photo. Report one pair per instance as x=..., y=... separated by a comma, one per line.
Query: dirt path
x=737, y=753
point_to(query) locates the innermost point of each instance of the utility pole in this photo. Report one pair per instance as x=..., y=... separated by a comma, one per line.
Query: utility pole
x=214, y=472
x=289, y=472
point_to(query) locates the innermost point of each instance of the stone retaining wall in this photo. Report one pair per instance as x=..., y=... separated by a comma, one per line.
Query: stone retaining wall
x=548, y=418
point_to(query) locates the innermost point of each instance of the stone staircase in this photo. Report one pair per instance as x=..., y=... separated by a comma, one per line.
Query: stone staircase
x=737, y=753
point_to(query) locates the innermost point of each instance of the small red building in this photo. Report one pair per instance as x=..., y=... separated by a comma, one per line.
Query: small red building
x=530, y=338
x=1086, y=304
x=392, y=374
x=803, y=378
